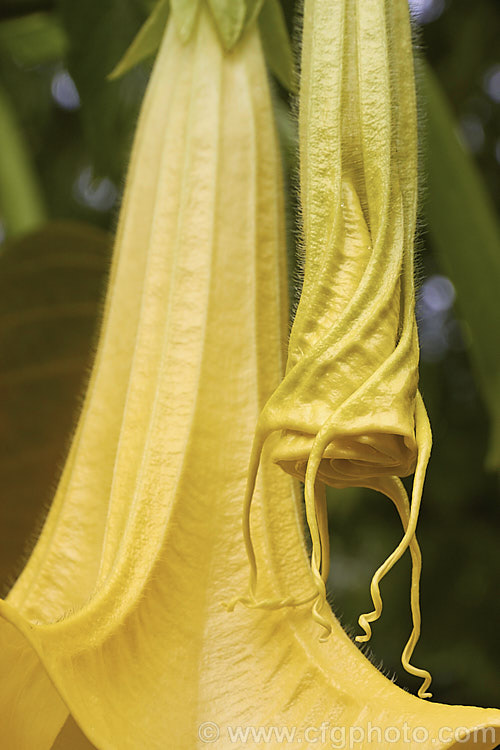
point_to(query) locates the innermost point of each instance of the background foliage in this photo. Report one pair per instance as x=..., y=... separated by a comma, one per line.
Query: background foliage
x=65, y=132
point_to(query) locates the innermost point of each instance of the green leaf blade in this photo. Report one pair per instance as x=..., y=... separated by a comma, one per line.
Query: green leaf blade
x=276, y=44
x=466, y=236
x=34, y=39
x=99, y=32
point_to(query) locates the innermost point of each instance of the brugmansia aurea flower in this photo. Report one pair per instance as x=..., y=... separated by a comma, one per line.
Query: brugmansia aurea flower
x=115, y=636
x=348, y=410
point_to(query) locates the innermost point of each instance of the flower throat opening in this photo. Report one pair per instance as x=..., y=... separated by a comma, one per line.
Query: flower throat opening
x=320, y=457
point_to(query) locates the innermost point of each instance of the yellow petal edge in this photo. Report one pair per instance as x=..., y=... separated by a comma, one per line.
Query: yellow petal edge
x=114, y=636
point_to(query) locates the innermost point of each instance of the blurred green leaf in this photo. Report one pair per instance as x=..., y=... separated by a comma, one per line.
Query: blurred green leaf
x=287, y=127
x=51, y=285
x=146, y=42
x=466, y=237
x=100, y=32
x=276, y=44
x=21, y=202
x=33, y=39
x=16, y=8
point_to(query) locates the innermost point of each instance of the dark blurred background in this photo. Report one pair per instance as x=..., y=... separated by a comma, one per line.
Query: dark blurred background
x=75, y=131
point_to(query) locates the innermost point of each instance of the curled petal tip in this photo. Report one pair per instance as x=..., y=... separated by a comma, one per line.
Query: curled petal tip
x=427, y=679
x=364, y=623
x=424, y=696
x=362, y=638
x=321, y=619
x=325, y=636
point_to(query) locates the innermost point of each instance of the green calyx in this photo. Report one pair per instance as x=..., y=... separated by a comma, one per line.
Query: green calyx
x=232, y=18
x=147, y=41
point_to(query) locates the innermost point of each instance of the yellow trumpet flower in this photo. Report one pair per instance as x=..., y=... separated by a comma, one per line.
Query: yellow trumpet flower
x=348, y=409
x=114, y=636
